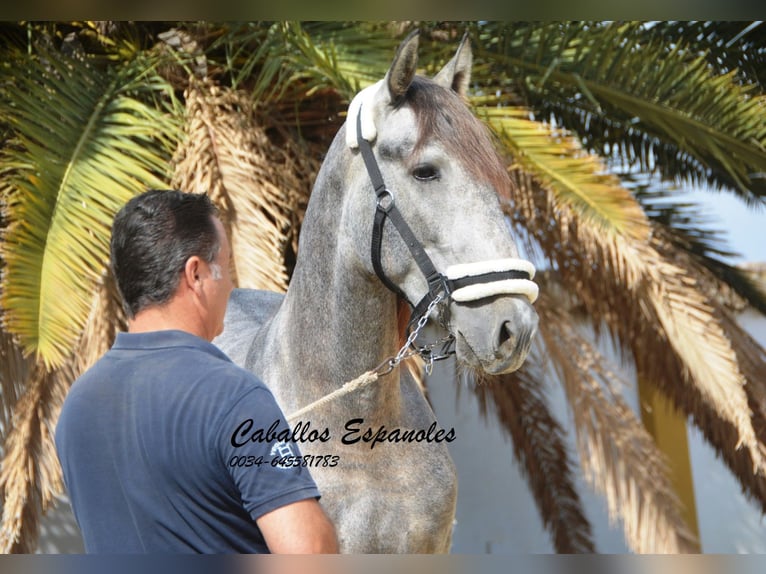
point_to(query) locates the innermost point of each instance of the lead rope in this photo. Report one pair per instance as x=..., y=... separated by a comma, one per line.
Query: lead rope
x=383, y=369
x=362, y=381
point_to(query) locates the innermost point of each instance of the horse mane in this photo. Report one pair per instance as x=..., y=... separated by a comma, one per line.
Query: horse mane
x=443, y=115
x=403, y=314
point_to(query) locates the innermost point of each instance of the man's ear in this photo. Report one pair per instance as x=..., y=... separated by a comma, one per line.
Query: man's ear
x=192, y=271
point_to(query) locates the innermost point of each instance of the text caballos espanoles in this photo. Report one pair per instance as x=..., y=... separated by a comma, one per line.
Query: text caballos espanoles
x=354, y=433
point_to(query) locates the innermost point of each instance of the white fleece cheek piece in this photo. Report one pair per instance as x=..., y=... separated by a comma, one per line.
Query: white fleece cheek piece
x=364, y=100
x=524, y=287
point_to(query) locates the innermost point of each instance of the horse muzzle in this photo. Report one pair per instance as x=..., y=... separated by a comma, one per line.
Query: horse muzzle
x=494, y=334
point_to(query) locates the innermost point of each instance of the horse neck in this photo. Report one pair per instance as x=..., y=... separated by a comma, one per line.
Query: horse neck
x=339, y=322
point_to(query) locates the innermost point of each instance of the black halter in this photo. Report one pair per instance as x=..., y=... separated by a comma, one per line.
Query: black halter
x=386, y=208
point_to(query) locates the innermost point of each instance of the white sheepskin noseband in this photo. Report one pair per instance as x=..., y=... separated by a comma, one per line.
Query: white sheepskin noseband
x=525, y=287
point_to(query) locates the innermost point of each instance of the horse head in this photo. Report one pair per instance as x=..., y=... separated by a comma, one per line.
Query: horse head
x=434, y=211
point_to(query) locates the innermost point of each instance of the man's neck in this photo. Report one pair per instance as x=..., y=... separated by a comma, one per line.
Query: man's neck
x=164, y=318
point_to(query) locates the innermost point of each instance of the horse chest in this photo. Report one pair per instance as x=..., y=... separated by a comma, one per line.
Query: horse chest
x=400, y=499
x=394, y=488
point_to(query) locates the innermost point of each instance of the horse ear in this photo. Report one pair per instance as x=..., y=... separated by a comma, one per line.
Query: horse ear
x=402, y=69
x=397, y=80
x=456, y=75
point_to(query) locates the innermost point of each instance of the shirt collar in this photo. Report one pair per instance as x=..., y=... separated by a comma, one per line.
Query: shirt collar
x=173, y=338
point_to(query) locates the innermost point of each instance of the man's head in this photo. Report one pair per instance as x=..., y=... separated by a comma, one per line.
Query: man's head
x=163, y=238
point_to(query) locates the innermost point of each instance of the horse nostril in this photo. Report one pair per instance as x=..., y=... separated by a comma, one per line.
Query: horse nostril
x=514, y=337
x=506, y=333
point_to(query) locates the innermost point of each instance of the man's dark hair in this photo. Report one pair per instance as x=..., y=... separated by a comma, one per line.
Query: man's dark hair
x=153, y=236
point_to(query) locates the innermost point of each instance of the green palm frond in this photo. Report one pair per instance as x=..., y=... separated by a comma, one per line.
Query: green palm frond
x=727, y=45
x=656, y=104
x=347, y=57
x=85, y=142
x=314, y=62
x=576, y=178
x=689, y=229
x=663, y=206
x=87, y=123
x=249, y=55
x=271, y=58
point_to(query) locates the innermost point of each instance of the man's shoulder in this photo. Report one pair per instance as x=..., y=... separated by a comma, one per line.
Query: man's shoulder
x=214, y=373
x=220, y=370
x=177, y=369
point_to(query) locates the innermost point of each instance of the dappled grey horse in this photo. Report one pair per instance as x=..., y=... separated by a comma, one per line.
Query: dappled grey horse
x=405, y=208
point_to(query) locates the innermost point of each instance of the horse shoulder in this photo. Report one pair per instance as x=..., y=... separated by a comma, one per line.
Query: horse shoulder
x=246, y=314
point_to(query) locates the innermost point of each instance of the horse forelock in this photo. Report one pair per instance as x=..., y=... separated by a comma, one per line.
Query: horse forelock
x=442, y=115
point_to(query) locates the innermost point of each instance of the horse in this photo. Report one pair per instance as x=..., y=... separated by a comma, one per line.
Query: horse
x=404, y=208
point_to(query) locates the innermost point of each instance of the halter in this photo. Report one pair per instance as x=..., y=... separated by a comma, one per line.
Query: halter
x=462, y=282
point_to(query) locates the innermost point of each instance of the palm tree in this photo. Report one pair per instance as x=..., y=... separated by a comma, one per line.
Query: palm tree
x=600, y=123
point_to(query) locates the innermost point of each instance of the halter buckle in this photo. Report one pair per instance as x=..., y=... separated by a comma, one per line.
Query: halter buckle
x=438, y=283
x=385, y=200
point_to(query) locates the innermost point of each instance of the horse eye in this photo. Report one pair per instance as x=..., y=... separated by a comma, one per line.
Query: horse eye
x=425, y=173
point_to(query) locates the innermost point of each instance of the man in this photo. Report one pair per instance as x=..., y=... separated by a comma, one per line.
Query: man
x=146, y=437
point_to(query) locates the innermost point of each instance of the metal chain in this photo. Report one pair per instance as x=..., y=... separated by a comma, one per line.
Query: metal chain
x=409, y=349
x=389, y=364
x=429, y=357
x=418, y=327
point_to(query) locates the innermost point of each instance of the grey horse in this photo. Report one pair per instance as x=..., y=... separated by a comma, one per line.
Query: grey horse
x=384, y=470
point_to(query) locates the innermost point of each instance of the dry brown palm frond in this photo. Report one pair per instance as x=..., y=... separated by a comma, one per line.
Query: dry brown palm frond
x=106, y=319
x=31, y=475
x=651, y=304
x=14, y=370
x=518, y=400
x=189, y=54
x=675, y=314
x=635, y=327
x=14, y=373
x=750, y=355
x=722, y=436
x=752, y=363
x=617, y=454
x=694, y=330
x=720, y=433
x=259, y=187
x=291, y=165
